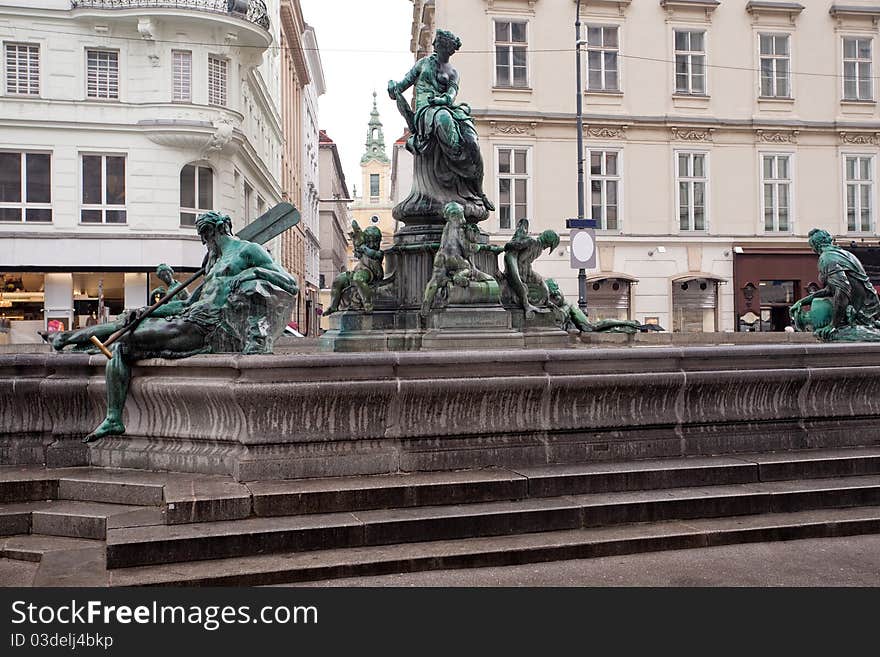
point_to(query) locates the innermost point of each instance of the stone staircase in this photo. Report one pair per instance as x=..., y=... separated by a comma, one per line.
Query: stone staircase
x=91, y=526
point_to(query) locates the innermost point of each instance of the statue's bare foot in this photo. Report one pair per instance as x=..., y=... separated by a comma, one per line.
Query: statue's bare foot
x=107, y=428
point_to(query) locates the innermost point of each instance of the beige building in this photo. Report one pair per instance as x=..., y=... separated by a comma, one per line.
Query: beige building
x=335, y=219
x=717, y=134
x=301, y=83
x=372, y=207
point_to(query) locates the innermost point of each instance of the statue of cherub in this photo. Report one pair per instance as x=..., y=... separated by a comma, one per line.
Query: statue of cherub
x=452, y=264
x=367, y=273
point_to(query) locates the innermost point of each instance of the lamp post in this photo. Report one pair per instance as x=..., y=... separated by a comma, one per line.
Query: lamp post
x=582, y=273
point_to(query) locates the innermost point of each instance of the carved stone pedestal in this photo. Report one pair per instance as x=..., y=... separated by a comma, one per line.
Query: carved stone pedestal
x=471, y=327
x=540, y=331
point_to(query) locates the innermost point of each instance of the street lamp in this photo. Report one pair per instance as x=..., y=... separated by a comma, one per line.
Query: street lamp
x=582, y=273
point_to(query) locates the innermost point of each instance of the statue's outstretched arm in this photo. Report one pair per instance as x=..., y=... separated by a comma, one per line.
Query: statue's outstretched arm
x=408, y=80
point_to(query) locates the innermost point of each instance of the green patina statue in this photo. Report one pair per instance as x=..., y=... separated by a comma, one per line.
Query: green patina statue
x=356, y=289
x=448, y=165
x=523, y=285
x=569, y=316
x=453, y=265
x=242, y=305
x=847, y=308
x=166, y=274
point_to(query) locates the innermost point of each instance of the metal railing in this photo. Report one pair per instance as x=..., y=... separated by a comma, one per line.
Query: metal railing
x=250, y=10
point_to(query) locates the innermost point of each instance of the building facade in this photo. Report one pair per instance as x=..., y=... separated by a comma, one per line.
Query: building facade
x=717, y=134
x=373, y=206
x=120, y=122
x=335, y=222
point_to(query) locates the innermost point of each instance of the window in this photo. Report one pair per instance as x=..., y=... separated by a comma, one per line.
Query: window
x=513, y=181
x=690, y=62
x=196, y=193
x=692, y=180
x=775, y=66
x=22, y=69
x=103, y=189
x=261, y=206
x=857, y=69
x=25, y=187
x=511, y=47
x=248, y=203
x=776, y=184
x=602, y=47
x=182, y=76
x=217, y=80
x=374, y=184
x=102, y=74
x=859, y=193
x=604, y=188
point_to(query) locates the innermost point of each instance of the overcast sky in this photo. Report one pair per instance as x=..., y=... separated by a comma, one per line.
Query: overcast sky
x=363, y=44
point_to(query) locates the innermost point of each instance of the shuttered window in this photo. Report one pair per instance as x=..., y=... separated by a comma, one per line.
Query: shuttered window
x=217, y=81
x=22, y=69
x=182, y=65
x=102, y=74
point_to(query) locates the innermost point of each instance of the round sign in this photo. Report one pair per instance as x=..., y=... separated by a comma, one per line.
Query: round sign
x=582, y=246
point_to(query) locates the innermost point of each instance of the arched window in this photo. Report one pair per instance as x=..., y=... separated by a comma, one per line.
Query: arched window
x=196, y=192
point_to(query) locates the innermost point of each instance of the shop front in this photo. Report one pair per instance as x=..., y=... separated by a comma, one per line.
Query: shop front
x=610, y=296
x=767, y=282
x=695, y=303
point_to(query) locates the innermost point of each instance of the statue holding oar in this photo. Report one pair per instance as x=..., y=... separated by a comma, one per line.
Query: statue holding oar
x=243, y=303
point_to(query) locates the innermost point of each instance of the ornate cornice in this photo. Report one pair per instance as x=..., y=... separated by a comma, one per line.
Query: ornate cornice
x=606, y=131
x=759, y=9
x=692, y=134
x=859, y=138
x=513, y=129
x=776, y=136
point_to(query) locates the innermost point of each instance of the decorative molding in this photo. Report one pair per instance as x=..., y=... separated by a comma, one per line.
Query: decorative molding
x=146, y=28
x=759, y=9
x=606, y=131
x=678, y=9
x=606, y=7
x=859, y=138
x=490, y=6
x=692, y=134
x=845, y=15
x=776, y=136
x=513, y=129
x=154, y=61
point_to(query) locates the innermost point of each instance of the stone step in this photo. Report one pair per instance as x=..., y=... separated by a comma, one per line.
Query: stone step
x=33, y=547
x=89, y=520
x=110, y=491
x=330, y=495
x=167, y=544
x=292, y=567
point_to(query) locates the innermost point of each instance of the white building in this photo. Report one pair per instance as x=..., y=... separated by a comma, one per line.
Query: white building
x=311, y=175
x=718, y=133
x=120, y=121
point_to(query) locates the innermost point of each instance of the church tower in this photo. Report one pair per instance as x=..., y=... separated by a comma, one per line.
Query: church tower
x=373, y=206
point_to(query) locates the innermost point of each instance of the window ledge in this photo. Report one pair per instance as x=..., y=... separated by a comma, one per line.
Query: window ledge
x=776, y=99
x=858, y=103
x=522, y=90
x=602, y=92
x=681, y=94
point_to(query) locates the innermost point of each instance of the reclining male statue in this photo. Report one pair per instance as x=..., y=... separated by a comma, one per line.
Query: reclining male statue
x=242, y=305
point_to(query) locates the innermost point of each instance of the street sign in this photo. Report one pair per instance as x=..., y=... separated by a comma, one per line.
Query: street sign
x=583, y=248
x=580, y=223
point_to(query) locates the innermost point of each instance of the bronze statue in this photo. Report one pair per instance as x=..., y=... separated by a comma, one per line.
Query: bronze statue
x=448, y=165
x=356, y=288
x=846, y=308
x=243, y=303
x=452, y=264
x=569, y=316
x=166, y=274
x=526, y=286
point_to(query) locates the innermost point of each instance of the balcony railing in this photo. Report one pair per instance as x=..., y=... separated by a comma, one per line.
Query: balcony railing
x=250, y=10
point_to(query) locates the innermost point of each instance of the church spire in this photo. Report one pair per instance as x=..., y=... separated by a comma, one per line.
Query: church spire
x=375, y=145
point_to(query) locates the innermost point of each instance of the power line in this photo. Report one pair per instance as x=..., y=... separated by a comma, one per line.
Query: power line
x=622, y=55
